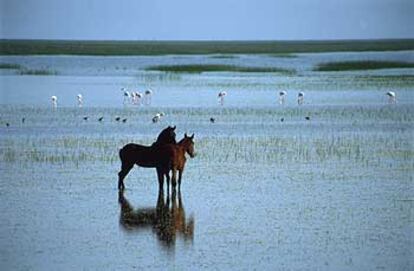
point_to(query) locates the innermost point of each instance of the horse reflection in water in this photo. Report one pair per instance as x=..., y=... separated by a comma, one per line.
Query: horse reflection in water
x=167, y=220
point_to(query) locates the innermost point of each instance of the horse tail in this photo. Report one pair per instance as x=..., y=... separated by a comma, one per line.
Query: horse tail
x=122, y=154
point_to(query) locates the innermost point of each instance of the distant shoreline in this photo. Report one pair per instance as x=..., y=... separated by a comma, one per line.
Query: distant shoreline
x=125, y=48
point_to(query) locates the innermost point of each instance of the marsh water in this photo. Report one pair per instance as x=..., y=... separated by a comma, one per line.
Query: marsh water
x=269, y=188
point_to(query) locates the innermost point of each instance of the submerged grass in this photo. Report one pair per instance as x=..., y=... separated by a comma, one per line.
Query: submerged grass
x=352, y=136
x=22, y=70
x=217, y=68
x=25, y=71
x=362, y=65
x=10, y=66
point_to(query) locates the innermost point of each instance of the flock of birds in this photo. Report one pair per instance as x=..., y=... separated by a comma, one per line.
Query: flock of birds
x=137, y=98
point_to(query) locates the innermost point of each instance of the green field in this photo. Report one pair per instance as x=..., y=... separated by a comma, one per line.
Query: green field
x=56, y=47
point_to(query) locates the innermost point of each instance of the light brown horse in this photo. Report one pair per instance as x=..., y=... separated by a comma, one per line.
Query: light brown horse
x=172, y=158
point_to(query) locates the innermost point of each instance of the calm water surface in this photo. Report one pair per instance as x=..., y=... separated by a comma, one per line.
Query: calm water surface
x=331, y=193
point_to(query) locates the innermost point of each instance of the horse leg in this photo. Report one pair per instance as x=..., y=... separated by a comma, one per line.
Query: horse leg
x=180, y=174
x=167, y=176
x=174, y=178
x=160, y=175
x=124, y=171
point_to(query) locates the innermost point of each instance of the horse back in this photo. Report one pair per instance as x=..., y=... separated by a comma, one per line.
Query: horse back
x=138, y=154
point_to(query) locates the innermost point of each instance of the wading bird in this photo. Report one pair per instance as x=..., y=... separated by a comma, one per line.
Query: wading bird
x=136, y=98
x=157, y=117
x=301, y=96
x=391, y=97
x=282, y=96
x=221, y=96
x=80, y=100
x=54, y=101
x=127, y=96
x=148, y=96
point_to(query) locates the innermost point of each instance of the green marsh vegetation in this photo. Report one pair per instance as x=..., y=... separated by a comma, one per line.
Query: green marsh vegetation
x=362, y=65
x=11, y=66
x=217, y=68
x=22, y=70
x=57, y=47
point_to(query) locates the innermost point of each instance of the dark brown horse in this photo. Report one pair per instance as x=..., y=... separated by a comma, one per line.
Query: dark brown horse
x=144, y=156
x=167, y=220
x=172, y=157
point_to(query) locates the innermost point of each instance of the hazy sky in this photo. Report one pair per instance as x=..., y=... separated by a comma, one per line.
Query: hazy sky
x=207, y=19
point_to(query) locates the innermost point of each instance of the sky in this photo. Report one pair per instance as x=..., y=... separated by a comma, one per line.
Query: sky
x=206, y=19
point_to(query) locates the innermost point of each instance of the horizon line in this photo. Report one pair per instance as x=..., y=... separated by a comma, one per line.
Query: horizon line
x=207, y=40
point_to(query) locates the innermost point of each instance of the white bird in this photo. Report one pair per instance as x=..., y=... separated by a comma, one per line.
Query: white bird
x=80, y=100
x=391, y=97
x=301, y=96
x=221, y=96
x=54, y=101
x=127, y=96
x=136, y=98
x=148, y=96
x=157, y=117
x=282, y=96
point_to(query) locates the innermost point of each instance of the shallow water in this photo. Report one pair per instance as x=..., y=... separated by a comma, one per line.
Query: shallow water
x=331, y=193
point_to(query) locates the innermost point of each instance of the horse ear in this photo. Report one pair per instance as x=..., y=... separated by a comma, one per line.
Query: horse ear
x=185, y=135
x=174, y=127
x=192, y=136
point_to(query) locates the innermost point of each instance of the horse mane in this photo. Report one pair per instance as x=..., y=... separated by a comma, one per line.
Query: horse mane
x=165, y=137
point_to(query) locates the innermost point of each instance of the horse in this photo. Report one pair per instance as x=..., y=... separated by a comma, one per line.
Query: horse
x=144, y=156
x=172, y=157
x=167, y=220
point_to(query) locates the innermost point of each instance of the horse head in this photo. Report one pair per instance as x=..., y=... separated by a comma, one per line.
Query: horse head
x=167, y=136
x=188, y=144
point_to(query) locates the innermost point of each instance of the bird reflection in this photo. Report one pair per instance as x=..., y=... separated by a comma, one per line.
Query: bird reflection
x=167, y=220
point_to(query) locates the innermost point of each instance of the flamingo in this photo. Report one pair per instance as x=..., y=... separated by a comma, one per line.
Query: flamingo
x=136, y=98
x=301, y=96
x=148, y=96
x=54, y=101
x=391, y=97
x=282, y=96
x=221, y=96
x=127, y=96
x=80, y=100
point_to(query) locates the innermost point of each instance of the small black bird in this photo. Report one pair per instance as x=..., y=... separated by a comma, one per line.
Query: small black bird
x=23, y=120
x=124, y=120
x=282, y=119
x=212, y=120
x=100, y=119
x=117, y=118
x=7, y=124
x=85, y=118
x=307, y=118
